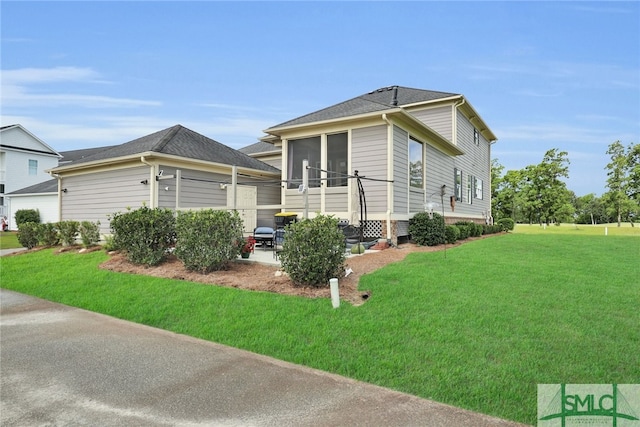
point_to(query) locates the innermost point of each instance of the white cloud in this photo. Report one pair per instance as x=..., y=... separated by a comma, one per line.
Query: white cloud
x=18, y=89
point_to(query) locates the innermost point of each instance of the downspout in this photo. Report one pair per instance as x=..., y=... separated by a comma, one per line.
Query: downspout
x=152, y=183
x=55, y=175
x=389, y=174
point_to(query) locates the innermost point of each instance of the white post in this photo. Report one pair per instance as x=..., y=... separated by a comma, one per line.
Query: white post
x=606, y=231
x=234, y=186
x=305, y=187
x=335, y=293
x=178, y=189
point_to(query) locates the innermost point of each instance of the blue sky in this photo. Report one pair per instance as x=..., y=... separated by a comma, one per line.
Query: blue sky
x=542, y=75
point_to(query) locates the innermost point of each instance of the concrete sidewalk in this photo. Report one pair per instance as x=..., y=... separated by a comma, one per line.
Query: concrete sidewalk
x=66, y=366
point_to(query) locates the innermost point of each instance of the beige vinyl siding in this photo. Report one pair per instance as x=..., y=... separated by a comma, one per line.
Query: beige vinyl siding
x=400, y=171
x=197, y=189
x=336, y=199
x=439, y=172
x=474, y=162
x=295, y=201
x=93, y=197
x=275, y=161
x=438, y=119
x=369, y=158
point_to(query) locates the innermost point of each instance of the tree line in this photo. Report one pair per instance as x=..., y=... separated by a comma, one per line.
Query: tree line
x=537, y=193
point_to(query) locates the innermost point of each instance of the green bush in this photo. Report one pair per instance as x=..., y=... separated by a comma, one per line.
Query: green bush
x=68, y=231
x=48, y=234
x=144, y=234
x=313, y=251
x=23, y=216
x=208, y=240
x=451, y=233
x=507, y=224
x=465, y=229
x=89, y=233
x=427, y=231
x=476, y=230
x=28, y=234
x=109, y=243
x=491, y=229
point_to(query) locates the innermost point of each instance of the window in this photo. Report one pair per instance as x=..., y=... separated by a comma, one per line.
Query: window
x=478, y=188
x=416, y=171
x=476, y=136
x=457, y=184
x=337, y=160
x=469, y=189
x=299, y=150
x=33, y=167
x=1, y=188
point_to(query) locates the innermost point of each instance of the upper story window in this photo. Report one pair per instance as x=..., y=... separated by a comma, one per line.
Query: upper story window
x=337, y=160
x=469, y=189
x=476, y=136
x=299, y=150
x=33, y=167
x=416, y=161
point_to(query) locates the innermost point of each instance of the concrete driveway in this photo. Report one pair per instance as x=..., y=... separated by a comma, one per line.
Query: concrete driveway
x=64, y=366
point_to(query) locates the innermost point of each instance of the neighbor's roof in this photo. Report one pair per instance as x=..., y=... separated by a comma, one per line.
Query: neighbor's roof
x=181, y=142
x=378, y=100
x=259, y=147
x=49, y=186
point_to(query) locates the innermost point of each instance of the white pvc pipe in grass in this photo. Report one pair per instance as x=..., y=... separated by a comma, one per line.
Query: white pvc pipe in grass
x=335, y=293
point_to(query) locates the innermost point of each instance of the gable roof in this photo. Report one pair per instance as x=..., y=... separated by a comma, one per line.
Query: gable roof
x=382, y=99
x=47, y=148
x=181, y=142
x=49, y=186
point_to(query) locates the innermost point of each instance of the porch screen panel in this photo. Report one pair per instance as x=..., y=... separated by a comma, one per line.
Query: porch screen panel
x=299, y=150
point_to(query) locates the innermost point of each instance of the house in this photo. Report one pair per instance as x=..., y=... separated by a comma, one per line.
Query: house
x=174, y=168
x=24, y=159
x=377, y=159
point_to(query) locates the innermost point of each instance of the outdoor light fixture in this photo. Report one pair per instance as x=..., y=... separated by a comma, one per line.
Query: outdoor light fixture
x=144, y=182
x=64, y=190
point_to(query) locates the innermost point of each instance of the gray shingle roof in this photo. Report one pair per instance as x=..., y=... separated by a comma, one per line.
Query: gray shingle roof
x=377, y=100
x=75, y=155
x=50, y=186
x=258, y=147
x=180, y=141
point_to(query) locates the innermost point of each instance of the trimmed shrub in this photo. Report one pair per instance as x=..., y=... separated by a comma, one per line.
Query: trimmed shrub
x=28, y=234
x=476, y=229
x=23, y=216
x=48, y=234
x=451, y=233
x=507, y=224
x=208, y=240
x=313, y=251
x=491, y=229
x=426, y=231
x=109, y=243
x=144, y=234
x=89, y=233
x=465, y=229
x=68, y=231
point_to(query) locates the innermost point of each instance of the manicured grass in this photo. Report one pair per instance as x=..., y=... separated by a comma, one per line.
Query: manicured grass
x=478, y=327
x=625, y=229
x=9, y=240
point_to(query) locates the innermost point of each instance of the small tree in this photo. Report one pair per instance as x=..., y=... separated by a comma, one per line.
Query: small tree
x=313, y=251
x=48, y=234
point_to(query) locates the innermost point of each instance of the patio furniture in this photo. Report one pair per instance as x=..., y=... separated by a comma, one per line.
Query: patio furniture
x=264, y=236
x=278, y=241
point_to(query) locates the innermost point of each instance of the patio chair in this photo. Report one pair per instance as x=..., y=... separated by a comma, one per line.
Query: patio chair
x=264, y=236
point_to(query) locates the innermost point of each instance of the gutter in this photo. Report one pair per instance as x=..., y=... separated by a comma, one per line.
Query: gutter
x=454, y=123
x=153, y=202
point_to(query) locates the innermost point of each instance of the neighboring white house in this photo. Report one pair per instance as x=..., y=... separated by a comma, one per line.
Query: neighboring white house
x=24, y=158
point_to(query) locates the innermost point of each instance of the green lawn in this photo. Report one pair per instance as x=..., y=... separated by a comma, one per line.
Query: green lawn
x=478, y=328
x=9, y=240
